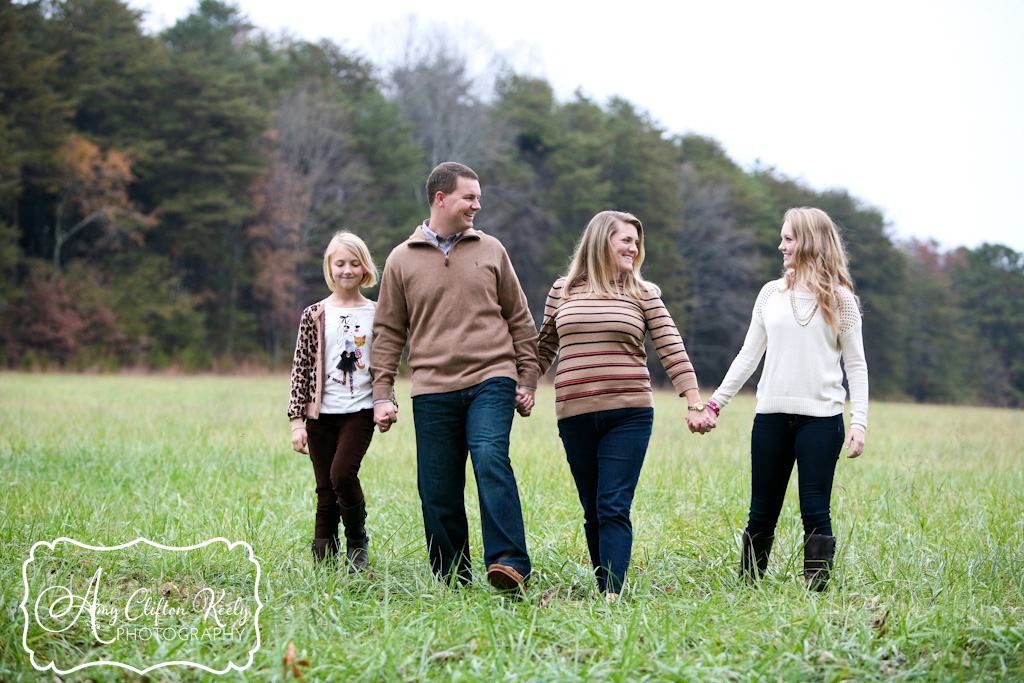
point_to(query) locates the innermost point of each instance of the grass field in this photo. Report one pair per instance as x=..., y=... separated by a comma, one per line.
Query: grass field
x=930, y=558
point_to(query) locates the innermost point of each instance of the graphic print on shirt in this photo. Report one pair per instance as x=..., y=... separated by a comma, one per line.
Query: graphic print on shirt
x=347, y=354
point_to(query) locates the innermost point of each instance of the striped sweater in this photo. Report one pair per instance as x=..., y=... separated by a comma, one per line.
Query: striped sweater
x=599, y=344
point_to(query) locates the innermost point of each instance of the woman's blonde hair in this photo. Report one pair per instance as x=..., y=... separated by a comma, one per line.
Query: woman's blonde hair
x=819, y=260
x=593, y=262
x=348, y=240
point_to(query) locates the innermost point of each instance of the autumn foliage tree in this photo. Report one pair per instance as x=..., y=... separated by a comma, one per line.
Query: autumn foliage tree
x=93, y=190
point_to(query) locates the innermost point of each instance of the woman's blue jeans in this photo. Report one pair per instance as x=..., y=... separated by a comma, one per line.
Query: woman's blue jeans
x=476, y=420
x=777, y=441
x=605, y=451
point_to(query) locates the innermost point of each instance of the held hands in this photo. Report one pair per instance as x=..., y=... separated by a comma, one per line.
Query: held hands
x=385, y=414
x=855, y=444
x=524, y=401
x=700, y=421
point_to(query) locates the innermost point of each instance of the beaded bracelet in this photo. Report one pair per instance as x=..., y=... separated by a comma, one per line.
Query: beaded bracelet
x=713, y=406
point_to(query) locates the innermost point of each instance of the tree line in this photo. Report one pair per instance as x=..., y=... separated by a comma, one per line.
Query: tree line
x=165, y=199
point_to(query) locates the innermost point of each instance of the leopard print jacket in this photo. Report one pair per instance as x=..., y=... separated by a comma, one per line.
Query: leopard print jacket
x=308, y=365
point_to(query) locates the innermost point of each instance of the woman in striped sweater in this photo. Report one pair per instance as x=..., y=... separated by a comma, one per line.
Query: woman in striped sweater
x=595, y=322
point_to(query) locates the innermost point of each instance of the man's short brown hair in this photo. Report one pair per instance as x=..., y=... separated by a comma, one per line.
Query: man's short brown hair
x=445, y=177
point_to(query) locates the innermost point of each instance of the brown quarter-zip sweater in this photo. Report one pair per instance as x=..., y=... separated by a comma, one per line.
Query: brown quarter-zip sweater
x=464, y=316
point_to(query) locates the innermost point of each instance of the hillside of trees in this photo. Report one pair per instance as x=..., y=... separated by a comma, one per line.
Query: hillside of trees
x=165, y=200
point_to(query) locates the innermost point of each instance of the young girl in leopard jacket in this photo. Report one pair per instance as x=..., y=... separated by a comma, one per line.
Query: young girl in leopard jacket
x=331, y=406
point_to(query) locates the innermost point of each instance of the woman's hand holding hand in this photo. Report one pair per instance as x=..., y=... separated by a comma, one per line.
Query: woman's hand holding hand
x=524, y=401
x=700, y=422
x=855, y=444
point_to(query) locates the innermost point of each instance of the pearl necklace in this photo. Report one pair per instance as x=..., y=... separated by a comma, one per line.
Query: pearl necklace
x=805, y=320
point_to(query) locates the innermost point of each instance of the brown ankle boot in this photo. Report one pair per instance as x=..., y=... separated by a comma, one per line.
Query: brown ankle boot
x=819, y=558
x=357, y=553
x=754, y=555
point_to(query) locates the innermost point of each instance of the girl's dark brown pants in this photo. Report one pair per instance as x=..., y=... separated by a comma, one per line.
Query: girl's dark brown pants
x=337, y=444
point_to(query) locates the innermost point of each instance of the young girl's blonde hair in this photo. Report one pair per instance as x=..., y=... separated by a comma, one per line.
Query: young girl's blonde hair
x=350, y=241
x=593, y=268
x=819, y=261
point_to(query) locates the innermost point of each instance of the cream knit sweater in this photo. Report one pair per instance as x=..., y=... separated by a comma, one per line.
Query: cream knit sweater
x=802, y=373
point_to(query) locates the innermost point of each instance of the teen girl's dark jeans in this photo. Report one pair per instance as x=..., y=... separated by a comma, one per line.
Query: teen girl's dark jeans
x=777, y=441
x=337, y=444
x=606, y=451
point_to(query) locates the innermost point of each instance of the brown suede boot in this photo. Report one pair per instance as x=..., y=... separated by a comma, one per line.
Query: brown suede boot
x=754, y=556
x=819, y=558
x=357, y=553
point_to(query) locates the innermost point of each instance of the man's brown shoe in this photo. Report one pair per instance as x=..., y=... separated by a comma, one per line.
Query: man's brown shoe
x=505, y=578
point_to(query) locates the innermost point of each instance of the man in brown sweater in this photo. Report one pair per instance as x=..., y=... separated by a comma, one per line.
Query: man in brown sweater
x=450, y=292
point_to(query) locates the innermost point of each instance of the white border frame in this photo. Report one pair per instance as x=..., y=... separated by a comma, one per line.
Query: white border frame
x=52, y=546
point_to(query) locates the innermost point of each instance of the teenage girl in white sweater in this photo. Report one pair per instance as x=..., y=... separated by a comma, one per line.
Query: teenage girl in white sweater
x=803, y=324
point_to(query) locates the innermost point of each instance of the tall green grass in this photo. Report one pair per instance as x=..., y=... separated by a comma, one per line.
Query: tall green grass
x=930, y=560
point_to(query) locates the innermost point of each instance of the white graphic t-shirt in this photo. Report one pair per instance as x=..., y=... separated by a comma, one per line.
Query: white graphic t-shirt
x=348, y=333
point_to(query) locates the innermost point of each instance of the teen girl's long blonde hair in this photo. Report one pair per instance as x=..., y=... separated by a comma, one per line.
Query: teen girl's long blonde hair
x=592, y=271
x=820, y=260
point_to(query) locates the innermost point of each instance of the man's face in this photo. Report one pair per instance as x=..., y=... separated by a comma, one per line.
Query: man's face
x=458, y=208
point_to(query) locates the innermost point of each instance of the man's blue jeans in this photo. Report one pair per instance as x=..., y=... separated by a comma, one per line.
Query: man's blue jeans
x=777, y=441
x=477, y=420
x=606, y=451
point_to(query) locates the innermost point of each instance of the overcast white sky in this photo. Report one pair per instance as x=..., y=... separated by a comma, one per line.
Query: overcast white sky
x=915, y=107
